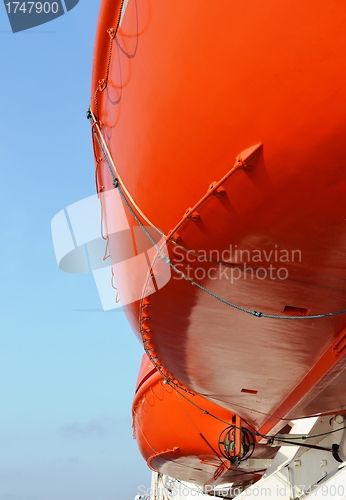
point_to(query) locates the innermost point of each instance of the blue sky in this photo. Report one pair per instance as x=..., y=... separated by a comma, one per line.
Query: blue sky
x=67, y=375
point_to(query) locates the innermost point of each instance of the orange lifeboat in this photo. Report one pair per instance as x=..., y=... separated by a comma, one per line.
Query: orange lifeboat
x=185, y=436
x=222, y=127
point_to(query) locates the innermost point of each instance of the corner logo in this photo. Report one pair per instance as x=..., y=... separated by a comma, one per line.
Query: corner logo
x=26, y=15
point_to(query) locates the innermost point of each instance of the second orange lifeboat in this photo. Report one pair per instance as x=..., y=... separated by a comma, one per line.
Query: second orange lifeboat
x=183, y=435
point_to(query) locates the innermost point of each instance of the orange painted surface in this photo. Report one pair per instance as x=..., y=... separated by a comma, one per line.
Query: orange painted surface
x=190, y=88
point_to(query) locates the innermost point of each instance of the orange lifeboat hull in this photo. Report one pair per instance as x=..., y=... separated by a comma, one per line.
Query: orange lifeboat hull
x=236, y=110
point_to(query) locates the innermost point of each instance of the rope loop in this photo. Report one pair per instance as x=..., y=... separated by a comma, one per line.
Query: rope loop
x=102, y=85
x=111, y=32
